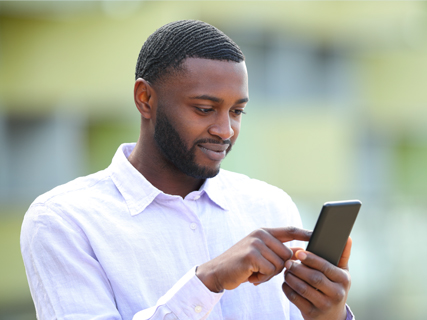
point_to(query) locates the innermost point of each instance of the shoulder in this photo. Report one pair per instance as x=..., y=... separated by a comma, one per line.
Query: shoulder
x=72, y=199
x=78, y=187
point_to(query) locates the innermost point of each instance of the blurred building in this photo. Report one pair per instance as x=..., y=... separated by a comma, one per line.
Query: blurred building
x=337, y=110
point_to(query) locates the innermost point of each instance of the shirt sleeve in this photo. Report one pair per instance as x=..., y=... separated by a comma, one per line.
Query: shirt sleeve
x=67, y=281
x=189, y=298
x=350, y=315
x=296, y=314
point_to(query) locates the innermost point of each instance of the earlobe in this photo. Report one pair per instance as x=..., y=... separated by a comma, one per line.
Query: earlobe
x=144, y=97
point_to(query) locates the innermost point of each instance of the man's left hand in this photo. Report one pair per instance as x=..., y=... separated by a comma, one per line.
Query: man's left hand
x=318, y=288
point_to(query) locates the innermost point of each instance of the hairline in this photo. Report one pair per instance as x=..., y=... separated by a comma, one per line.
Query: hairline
x=180, y=69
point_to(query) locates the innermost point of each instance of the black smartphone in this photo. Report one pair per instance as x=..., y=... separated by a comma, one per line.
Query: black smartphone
x=333, y=228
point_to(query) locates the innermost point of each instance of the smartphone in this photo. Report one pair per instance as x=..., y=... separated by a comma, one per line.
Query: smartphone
x=333, y=228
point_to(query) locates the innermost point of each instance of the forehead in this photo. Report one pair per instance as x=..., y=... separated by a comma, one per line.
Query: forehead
x=202, y=76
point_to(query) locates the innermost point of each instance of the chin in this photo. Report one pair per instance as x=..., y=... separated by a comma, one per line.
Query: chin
x=203, y=172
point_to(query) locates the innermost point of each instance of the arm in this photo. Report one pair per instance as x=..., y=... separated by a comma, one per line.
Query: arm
x=67, y=280
x=318, y=288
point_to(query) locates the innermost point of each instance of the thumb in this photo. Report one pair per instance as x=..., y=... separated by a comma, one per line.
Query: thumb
x=343, y=263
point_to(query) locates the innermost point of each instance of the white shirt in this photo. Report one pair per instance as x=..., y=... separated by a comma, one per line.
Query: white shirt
x=112, y=246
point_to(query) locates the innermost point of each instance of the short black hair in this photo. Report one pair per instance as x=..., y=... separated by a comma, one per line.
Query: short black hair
x=165, y=50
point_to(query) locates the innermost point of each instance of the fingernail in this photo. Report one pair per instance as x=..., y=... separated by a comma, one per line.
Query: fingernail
x=301, y=255
x=288, y=264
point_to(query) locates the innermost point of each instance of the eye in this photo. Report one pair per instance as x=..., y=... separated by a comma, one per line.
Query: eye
x=204, y=110
x=238, y=112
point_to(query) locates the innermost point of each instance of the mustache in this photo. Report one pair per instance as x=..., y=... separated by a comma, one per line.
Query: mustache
x=227, y=141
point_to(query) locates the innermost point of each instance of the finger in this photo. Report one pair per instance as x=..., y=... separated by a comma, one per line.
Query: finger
x=267, y=240
x=311, y=277
x=306, y=291
x=295, y=250
x=332, y=272
x=269, y=264
x=343, y=263
x=289, y=233
x=305, y=306
x=277, y=261
x=264, y=270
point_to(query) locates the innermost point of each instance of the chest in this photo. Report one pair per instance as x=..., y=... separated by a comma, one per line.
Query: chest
x=143, y=257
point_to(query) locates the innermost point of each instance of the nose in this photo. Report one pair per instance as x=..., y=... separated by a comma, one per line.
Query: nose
x=222, y=127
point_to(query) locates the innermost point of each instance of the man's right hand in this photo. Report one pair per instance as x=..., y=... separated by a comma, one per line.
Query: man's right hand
x=256, y=258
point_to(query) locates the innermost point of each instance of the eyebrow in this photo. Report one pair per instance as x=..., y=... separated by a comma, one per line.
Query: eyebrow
x=216, y=99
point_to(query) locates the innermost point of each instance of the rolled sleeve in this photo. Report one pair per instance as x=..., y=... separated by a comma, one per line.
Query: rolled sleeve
x=188, y=299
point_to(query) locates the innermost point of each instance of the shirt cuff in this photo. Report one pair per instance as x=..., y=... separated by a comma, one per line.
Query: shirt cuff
x=189, y=298
x=350, y=315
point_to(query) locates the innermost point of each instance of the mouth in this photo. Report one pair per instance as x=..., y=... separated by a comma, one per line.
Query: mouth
x=214, y=151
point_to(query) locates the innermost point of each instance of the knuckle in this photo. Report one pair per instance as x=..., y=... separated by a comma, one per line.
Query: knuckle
x=256, y=243
x=339, y=295
x=292, y=229
x=346, y=279
x=271, y=271
x=263, y=230
x=292, y=296
x=327, y=268
x=324, y=305
x=316, y=279
x=252, y=253
x=259, y=232
x=254, y=233
x=312, y=312
x=302, y=289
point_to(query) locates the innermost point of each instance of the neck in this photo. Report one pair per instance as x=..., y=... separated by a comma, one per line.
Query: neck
x=160, y=172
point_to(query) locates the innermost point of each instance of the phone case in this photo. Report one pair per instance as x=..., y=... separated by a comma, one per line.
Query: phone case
x=333, y=228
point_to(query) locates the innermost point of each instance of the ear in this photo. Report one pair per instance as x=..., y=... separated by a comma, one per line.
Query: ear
x=144, y=96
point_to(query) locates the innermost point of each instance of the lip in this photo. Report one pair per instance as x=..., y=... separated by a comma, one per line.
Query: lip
x=214, y=151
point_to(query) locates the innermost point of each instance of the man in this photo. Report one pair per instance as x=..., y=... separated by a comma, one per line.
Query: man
x=163, y=233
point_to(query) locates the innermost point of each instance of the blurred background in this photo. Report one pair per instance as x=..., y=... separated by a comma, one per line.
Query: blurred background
x=338, y=110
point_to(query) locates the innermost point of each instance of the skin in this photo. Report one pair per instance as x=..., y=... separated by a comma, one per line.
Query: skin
x=206, y=101
x=318, y=288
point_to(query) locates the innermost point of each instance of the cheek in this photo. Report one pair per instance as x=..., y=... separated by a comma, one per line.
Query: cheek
x=191, y=131
x=235, y=125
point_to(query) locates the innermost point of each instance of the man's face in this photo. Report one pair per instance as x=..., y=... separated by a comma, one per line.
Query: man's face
x=199, y=113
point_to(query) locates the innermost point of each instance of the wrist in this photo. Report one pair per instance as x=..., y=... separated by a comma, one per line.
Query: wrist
x=209, y=279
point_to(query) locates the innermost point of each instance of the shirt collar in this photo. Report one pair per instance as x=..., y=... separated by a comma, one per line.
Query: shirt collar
x=135, y=189
x=138, y=192
x=215, y=191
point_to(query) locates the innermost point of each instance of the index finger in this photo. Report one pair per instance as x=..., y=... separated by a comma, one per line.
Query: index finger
x=289, y=233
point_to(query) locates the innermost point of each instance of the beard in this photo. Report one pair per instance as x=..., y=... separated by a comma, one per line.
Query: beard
x=174, y=149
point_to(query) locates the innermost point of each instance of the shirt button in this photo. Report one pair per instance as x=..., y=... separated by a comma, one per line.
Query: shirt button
x=198, y=309
x=193, y=226
x=196, y=198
